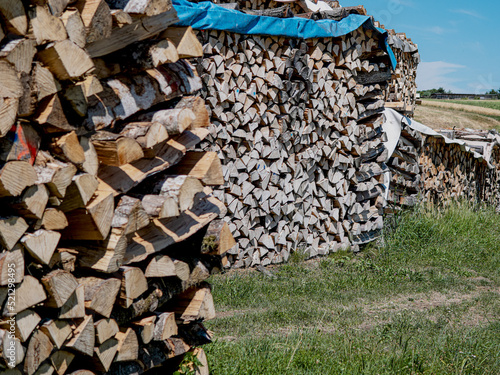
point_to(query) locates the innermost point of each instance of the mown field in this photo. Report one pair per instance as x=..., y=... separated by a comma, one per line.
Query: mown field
x=492, y=104
x=427, y=301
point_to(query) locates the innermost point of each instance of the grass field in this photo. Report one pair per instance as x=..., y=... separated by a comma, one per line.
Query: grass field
x=443, y=118
x=492, y=104
x=425, y=302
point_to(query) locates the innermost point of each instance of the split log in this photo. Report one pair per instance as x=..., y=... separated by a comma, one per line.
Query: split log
x=11, y=230
x=74, y=308
x=55, y=174
x=92, y=222
x=174, y=120
x=29, y=293
x=147, y=134
x=74, y=26
x=205, y=166
x=11, y=266
x=46, y=27
x=105, y=329
x=115, y=150
x=165, y=327
x=105, y=353
x=185, y=41
x=53, y=219
x=14, y=16
x=96, y=17
x=39, y=349
x=218, y=238
x=133, y=284
x=57, y=330
x=165, y=266
x=15, y=176
x=60, y=285
x=21, y=143
x=80, y=192
x=145, y=328
x=128, y=345
x=20, y=53
x=194, y=304
x=25, y=323
x=66, y=60
x=41, y=244
x=31, y=204
x=100, y=294
x=68, y=148
x=142, y=7
x=138, y=30
x=83, y=337
x=61, y=360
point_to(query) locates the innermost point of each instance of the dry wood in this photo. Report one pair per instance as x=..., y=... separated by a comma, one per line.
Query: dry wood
x=138, y=30
x=174, y=120
x=182, y=188
x=185, y=41
x=25, y=323
x=105, y=329
x=75, y=306
x=12, y=266
x=165, y=326
x=41, y=244
x=96, y=17
x=68, y=148
x=205, y=166
x=194, y=304
x=8, y=112
x=145, y=328
x=165, y=266
x=14, y=16
x=22, y=143
x=29, y=293
x=31, y=204
x=105, y=353
x=57, y=330
x=142, y=7
x=39, y=349
x=46, y=27
x=60, y=285
x=133, y=284
x=61, y=360
x=51, y=115
x=63, y=259
x=79, y=193
x=122, y=179
x=11, y=85
x=100, y=294
x=11, y=350
x=147, y=134
x=128, y=345
x=20, y=53
x=92, y=222
x=14, y=177
x=115, y=150
x=74, y=26
x=129, y=216
x=53, y=219
x=11, y=230
x=66, y=60
x=83, y=337
x=162, y=233
x=160, y=206
x=218, y=238
x=55, y=174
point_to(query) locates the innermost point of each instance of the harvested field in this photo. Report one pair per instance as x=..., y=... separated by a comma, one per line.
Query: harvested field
x=466, y=106
x=443, y=118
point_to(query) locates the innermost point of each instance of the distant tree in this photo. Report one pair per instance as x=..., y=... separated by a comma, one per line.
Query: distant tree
x=493, y=92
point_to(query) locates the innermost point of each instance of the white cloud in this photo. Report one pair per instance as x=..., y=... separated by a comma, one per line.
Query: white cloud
x=437, y=30
x=469, y=13
x=436, y=74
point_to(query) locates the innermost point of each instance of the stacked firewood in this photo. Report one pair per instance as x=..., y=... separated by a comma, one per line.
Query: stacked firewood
x=297, y=126
x=457, y=171
x=99, y=268
x=405, y=184
x=402, y=93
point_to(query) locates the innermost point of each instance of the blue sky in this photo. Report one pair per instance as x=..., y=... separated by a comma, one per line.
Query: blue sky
x=458, y=40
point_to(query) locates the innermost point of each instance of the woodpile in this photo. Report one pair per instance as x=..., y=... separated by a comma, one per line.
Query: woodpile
x=402, y=92
x=104, y=245
x=468, y=171
x=406, y=175
x=297, y=126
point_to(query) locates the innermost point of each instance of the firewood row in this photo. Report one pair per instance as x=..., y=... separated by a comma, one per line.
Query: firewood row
x=107, y=230
x=402, y=93
x=297, y=126
x=449, y=171
x=406, y=175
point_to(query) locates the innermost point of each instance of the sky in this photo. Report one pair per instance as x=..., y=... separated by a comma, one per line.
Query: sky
x=458, y=40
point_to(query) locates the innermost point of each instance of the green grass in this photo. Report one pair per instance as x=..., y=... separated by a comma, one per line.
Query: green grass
x=426, y=302
x=492, y=104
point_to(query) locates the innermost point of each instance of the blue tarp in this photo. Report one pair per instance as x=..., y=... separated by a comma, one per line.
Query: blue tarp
x=208, y=16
